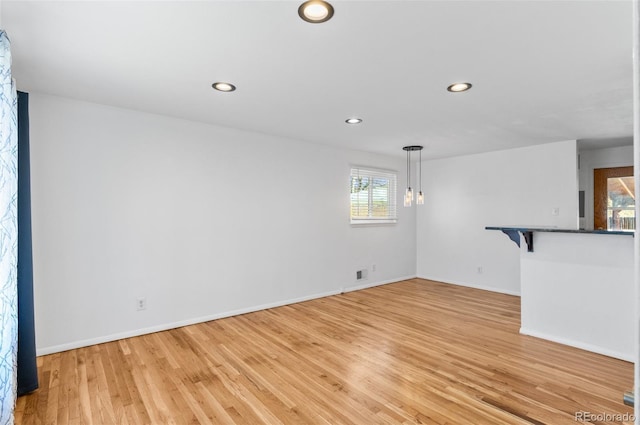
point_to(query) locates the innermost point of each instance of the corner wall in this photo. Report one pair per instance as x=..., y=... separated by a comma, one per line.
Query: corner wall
x=512, y=187
x=202, y=221
x=636, y=163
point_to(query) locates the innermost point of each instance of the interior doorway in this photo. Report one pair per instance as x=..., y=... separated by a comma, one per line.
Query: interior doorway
x=614, y=199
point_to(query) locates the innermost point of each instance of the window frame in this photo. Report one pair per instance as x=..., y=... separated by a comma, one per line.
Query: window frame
x=391, y=176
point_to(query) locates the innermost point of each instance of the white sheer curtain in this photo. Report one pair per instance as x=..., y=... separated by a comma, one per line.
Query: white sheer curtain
x=8, y=234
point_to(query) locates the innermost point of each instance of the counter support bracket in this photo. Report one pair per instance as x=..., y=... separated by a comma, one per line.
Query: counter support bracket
x=514, y=236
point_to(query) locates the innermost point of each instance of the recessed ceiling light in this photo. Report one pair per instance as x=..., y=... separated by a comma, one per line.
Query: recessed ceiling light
x=458, y=87
x=354, y=120
x=223, y=86
x=315, y=11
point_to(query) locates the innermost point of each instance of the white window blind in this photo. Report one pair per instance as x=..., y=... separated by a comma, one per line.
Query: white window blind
x=373, y=196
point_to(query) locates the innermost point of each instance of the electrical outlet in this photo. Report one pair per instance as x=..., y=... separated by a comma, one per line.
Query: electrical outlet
x=555, y=211
x=373, y=268
x=141, y=303
x=480, y=270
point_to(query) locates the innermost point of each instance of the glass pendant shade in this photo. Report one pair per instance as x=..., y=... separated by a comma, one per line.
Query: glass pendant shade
x=408, y=197
x=409, y=193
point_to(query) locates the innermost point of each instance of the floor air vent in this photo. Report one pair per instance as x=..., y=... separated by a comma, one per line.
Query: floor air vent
x=361, y=274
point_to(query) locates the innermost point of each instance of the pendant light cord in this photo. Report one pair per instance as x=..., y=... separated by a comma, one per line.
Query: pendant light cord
x=420, y=171
x=408, y=168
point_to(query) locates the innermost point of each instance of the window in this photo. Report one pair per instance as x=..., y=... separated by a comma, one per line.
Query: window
x=373, y=196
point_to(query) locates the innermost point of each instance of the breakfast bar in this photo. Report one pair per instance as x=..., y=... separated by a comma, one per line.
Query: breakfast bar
x=577, y=287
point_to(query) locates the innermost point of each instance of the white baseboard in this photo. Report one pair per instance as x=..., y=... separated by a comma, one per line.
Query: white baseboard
x=378, y=283
x=41, y=351
x=577, y=344
x=137, y=332
x=472, y=285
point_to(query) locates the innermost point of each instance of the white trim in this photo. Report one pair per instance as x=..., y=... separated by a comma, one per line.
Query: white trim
x=370, y=221
x=636, y=164
x=577, y=344
x=376, y=169
x=392, y=196
x=137, y=332
x=371, y=285
x=471, y=285
x=128, y=334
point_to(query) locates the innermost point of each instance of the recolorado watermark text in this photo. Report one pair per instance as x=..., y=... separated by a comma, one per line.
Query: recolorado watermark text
x=603, y=417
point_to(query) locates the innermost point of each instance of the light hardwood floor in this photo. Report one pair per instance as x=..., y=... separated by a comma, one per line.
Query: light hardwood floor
x=412, y=352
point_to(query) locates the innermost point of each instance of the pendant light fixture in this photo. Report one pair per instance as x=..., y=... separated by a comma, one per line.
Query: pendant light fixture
x=408, y=193
x=420, y=198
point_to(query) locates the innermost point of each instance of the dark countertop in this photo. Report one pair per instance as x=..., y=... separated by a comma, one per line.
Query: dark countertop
x=557, y=230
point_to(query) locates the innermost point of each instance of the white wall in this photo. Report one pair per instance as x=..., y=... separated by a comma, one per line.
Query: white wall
x=512, y=187
x=599, y=158
x=203, y=221
x=578, y=289
x=636, y=160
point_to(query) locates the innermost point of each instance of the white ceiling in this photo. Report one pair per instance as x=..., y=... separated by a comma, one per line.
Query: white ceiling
x=542, y=71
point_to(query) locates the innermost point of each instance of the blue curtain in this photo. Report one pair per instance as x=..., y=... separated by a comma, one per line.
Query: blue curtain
x=27, y=369
x=8, y=235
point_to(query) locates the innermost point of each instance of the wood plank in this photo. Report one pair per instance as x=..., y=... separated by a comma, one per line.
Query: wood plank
x=411, y=352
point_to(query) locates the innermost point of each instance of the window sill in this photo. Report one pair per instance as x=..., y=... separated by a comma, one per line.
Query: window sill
x=372, y=222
